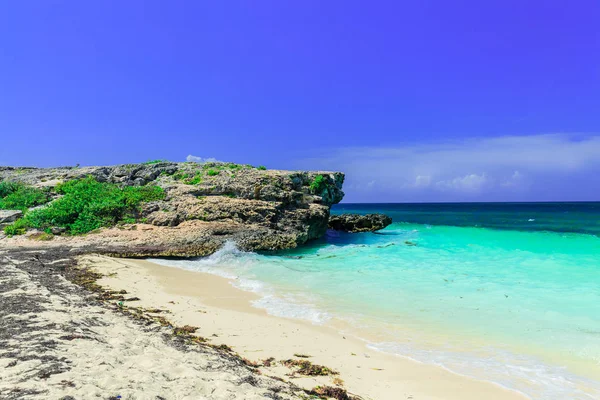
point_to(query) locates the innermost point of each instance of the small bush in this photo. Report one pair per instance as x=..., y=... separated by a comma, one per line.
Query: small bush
x=234, y=166
x=18, y=227
x=17, y=196
x=195, y=180
x=188, y=178
x=150, y=162
x=88, y=205
x=318, y=184
x=7, y=188
x=212, y=172
x=261, y=167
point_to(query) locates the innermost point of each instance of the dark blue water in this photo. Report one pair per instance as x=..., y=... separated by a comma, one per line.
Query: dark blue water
x=575, y=217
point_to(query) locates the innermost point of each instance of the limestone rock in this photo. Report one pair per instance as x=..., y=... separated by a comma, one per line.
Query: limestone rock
x=205, y=206
x=9, y=216
x=359, y=223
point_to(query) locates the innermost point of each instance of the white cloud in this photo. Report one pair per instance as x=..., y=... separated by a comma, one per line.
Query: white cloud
x=421, y=181
x=470, y=167
x=200, y=160
x=471, y=183
x=515, y=179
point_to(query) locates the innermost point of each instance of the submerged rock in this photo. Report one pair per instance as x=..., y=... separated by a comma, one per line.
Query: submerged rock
x=359, y=223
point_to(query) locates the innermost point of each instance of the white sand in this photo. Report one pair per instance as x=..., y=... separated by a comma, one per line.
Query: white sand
x=224, y=315
x=110, y=355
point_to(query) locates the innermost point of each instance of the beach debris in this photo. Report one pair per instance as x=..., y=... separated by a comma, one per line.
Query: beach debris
x=330, y=392
x=301, y=355
x=305, y=367
x=155, y=310
x=223, y=347
x=267, y=362
x=250, y=363
x=73, y=337
x=184, y=330
x=277, y=378
x=338, y=381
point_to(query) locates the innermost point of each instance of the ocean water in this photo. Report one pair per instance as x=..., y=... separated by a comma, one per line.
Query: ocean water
x=504, y=292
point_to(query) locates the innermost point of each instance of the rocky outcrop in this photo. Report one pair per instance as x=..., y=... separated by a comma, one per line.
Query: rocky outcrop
x=359, y=223
x=8, y=216
x=205, y=205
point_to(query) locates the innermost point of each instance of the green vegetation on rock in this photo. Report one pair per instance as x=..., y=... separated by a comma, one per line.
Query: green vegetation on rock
x=318, y=184
x=188, y=178
x=87, y=205
x=18, y=227
x=17, y=196
x=150, y=162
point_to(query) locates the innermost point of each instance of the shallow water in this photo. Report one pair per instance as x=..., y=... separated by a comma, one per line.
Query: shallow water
x=504, y=292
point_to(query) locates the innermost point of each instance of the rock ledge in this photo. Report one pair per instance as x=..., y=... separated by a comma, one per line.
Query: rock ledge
x=355, y=223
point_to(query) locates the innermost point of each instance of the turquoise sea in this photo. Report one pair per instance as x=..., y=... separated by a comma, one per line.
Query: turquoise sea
x=505, y=292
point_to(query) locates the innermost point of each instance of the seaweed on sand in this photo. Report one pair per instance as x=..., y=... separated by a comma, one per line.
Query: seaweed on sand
x=330, y=392
x=305, y=367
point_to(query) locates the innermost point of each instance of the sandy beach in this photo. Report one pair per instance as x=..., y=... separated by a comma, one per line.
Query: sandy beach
x=224, y=315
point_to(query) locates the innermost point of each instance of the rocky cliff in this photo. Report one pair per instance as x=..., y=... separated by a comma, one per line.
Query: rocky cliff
x=204, y=206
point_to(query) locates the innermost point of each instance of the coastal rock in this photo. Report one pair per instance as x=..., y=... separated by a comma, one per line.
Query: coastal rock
x=359, y=223
x=205, y=206
x=58, y=230
x=8, y=216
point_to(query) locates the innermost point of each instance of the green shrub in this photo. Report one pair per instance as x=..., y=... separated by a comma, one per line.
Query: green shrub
x=318, y=184
x=17, y=196
x=188, y=178
x=195, y=180
x=88, y=204
x=261, y=167
x=7, y=188
x=18, y=227
x=212, y=172
x=149, y=162
x=234, y=166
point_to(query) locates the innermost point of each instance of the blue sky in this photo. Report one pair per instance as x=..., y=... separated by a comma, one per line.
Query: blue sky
x=415, y=101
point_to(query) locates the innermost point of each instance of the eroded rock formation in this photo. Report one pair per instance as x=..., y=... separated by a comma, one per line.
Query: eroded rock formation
x=359, y=223
x=205, y=205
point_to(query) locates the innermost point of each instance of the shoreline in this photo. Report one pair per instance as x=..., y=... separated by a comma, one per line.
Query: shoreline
x=62, y=338
x=218, y=308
